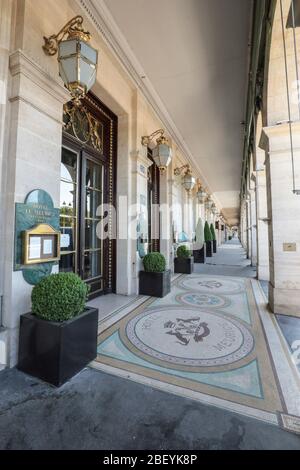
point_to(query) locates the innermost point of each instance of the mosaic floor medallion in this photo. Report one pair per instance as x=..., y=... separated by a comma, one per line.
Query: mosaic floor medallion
x=203, y=300
x=210, y=284
x=205, y=339
x=189, y=337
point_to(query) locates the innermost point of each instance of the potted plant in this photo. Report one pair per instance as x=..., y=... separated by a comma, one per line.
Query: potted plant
x=208, y=240
x=184, y=263
x=214, y=238
x=155, y=280
x=199, y=251
x=58, y=337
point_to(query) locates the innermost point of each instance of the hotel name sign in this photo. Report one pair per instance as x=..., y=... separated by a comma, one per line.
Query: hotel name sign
x=37, y=236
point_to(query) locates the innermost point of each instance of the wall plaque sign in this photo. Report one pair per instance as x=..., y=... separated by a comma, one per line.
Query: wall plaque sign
x=37, y=221
x=289, y=247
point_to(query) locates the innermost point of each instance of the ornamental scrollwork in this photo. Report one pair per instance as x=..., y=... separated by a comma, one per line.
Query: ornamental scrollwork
x=80, y=123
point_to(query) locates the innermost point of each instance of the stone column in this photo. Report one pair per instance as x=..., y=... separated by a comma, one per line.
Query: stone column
x=263, y=272
x=248, y=227
x=252, y=226
x=172, y=212
x=195, y=212
x=185, y=209
x=219, y=233
x=139, y=166
x=165, y=216
x=243, y=225
x=284, y=215
x=125, y=197
x=5, y=44
x=33, y=161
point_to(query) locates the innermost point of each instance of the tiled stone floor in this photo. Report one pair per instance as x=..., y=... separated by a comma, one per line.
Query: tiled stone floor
x=212, y=339
x=111, y=304
x=96, y=410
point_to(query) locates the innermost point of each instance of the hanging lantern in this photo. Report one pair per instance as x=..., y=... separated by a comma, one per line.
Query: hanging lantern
x=76, y=57
x=162, y=154
x=209, y=203
x=188, y=180
x=201, y=195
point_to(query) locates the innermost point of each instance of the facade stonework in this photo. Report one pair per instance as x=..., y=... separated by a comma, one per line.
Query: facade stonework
x=31, y=112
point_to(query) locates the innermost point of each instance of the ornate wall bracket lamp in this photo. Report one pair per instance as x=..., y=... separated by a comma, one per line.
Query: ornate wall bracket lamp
x=162, y=152
x=201, y=194
x=209, y=203
x=188, y=180
x=77, y=59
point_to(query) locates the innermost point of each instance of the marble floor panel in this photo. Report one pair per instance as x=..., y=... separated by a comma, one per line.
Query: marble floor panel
x=111, y=303
x=207, y=340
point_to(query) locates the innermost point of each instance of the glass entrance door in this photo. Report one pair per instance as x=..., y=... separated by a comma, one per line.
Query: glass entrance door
x=153, y=206
x=92, y=240
x=81, y=197
x=88, y=180
x=69, y=202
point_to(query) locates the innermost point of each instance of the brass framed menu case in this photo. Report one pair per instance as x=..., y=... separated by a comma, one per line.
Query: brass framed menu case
x=41, y=244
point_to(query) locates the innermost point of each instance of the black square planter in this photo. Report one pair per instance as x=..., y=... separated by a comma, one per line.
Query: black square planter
x=209, y=249
x=184, y=265
x=56, y=351
x=155, y=284
x=215, y=246
x=200, y=255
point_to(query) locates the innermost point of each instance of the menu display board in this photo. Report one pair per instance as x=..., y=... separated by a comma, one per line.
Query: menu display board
x=41, y=244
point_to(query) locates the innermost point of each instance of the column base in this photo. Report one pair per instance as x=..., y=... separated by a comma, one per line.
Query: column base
x=284, y=301
x=3, y=347
x=9, y=345
x=263, y=273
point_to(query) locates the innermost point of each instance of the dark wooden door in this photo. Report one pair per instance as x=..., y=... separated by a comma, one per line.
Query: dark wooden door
x=153, y=205
x=88, y=175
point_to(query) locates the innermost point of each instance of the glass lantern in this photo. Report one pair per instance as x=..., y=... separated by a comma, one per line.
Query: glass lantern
x=188, y=181
x=77, y=65
x=201, y=196
x=162, y=154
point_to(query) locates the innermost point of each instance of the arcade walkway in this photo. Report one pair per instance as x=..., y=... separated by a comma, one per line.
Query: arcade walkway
x=230, y=260
x=101, y=410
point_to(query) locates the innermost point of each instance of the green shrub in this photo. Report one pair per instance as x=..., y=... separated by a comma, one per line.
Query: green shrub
x=207, y=233
x=59, y=297
x=183, y=252
x=212, y=231
x=154, y=262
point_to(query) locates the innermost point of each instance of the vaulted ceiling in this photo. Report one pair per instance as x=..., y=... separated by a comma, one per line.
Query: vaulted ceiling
x=195, y=54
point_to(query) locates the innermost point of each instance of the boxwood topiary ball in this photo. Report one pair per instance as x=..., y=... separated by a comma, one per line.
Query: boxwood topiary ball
x=154, y=262
x=183, y=252
x=59, y=297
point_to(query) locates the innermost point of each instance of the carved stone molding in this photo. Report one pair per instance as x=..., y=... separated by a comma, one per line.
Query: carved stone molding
x=141, y=163
x=23, y=68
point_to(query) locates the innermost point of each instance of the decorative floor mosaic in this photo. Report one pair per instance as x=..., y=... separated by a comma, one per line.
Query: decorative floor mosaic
x=207, y=340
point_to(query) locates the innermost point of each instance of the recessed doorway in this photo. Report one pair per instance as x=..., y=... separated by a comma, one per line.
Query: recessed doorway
x=88, y=176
